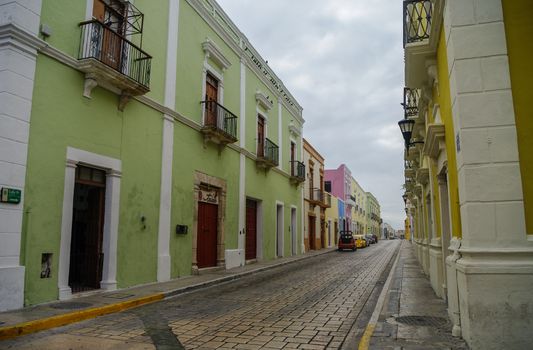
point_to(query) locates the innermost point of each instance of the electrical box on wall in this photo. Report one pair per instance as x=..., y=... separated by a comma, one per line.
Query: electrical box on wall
x=181, y=229
x=10, y=195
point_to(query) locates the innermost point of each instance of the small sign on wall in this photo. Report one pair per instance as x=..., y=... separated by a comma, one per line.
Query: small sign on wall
x=10, y=195
x=208, y=196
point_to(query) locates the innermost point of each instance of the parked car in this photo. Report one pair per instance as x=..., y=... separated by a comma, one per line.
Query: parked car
x=375, y=238
x=360, y=241
x=371, y=238
x=346, y=241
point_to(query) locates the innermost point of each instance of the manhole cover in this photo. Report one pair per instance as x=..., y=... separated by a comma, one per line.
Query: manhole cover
x=422, y=321
x=70, y=305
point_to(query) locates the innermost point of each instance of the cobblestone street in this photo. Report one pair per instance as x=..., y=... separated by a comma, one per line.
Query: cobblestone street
x=312, y=304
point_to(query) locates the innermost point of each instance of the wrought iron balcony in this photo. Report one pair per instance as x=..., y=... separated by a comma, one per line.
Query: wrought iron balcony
x=220, y=125
x=268, y=155
x=315, y=196
x=410, y=102
x=417, y=17
x=106, y=56
x=297, y=171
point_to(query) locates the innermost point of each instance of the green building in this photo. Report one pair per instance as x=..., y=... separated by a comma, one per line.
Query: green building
x=148, y=141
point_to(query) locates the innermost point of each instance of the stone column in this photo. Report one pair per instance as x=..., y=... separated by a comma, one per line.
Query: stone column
x=19, y=23
x=495, y=268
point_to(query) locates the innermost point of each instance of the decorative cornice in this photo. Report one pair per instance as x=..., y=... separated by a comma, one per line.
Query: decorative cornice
x=15, y=36
x=422, y=175
x=435, y=140
x=263, y=100
x=215, y=16
x=294, y=130
x=212, y=51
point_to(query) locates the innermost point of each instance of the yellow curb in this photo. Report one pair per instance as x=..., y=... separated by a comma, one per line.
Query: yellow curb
x=72, y=317
x=365, y=339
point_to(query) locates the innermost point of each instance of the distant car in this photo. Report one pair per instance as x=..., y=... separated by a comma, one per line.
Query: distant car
x=360, y=241
x=346, y=241
x=371, y=238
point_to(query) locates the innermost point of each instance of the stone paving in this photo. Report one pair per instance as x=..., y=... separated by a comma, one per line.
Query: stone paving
x=311, y=304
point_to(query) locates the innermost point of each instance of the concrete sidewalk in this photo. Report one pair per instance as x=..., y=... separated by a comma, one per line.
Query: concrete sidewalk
x=82, y=307
x=412, y=316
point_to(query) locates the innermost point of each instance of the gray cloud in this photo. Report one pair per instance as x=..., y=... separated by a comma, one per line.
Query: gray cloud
x=343, y=61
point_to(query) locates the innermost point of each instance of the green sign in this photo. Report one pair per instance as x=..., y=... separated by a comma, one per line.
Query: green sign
x=10, y=195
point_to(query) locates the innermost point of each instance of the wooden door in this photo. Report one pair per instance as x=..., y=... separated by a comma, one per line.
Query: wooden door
x=336, y=232
x=206, y=252
x=311, y=180
x=251, y=229
x=293, y=155
x=86, y=256
x=260, y=136
x=312, y=233
x=322, y=234
x=211, y=94
x=113, y=30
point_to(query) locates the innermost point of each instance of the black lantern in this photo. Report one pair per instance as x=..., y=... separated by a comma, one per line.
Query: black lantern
x=404, y=198
x=406, y=126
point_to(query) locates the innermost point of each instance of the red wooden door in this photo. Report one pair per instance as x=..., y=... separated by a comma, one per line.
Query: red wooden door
x=251, y=230
x=211, y=94
x=260, y=136
x=312, y=233
x=206, y=252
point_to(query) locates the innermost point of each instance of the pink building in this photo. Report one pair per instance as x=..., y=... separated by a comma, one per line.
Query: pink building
x=339, y=183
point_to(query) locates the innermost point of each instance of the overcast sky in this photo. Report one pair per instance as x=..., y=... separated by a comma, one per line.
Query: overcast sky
x=343, y=61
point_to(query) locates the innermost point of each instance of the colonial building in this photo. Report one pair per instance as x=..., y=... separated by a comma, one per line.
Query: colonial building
x=339, y=182
x=138, y=144
x=468, y=162
x=316, y=200
x=373, y=219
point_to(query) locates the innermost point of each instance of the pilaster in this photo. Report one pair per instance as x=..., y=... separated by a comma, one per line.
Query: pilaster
x=19, y=23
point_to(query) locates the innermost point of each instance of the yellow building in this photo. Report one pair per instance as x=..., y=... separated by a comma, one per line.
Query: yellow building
x=469, y=166
x=332, y=222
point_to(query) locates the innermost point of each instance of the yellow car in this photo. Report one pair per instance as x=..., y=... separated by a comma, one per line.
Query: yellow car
x=360, y=241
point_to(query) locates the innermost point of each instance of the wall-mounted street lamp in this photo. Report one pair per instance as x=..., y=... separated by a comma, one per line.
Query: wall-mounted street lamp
x=404, y=198
x=406, y=126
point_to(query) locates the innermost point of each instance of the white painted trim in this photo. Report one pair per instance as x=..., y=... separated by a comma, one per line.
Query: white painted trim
x=172, y=54
x=212, y=51
x=165, y=203
x=280, y=224
x=242, y=131
x=113, y=169
x=167, y=152
x=280, y=137
x=242, y=203
x=89, y=10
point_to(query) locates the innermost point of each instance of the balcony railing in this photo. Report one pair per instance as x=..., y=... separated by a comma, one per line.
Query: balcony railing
x=410, y=102
x=219, y=123
x=297, y=171
x=268, y=156
x=101, y=43
x=417, y=16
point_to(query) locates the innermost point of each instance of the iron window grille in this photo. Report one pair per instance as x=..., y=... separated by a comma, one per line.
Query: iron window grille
x=417, y=16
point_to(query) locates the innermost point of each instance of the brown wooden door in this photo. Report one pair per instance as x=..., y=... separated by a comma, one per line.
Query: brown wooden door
x=260, y=136
x=86, y=256
x=251, y=230
x=112, y=41
x=206, y=253
x=293, y=155
x=211, y=94
x=312, y=233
